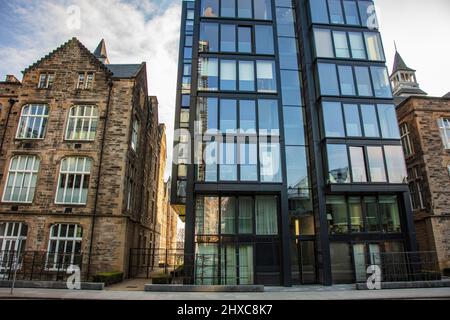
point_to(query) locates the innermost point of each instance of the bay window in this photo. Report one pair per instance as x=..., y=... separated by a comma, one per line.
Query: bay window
x=341, y=44
x=352, y=120
x=370, y=121
x=333, y=121
x=346, y=80
x=324, y=44
x=363, y=82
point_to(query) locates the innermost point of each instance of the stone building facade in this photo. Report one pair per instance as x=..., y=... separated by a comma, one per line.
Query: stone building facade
x=79, y=158
x=425, y=126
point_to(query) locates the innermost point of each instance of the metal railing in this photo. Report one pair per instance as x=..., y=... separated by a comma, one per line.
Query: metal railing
x=38, y=265
x=406, y=266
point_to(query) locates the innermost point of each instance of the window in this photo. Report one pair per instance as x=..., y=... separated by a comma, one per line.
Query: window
x=336, y=15
x=367, y=12
x=381, y=82
x=341, y=44
x=356, y=214
x=337, y=215
x=188, y=41
x=245, y=215
x=363, y=81
x=352, y=120
x=244, y=9
x=208, y=74
x=246, y=76
x=266, y=76
x=285, y=22
x=73, y=182
x=406, y=140
x=85, y=80
x=294, y=131
x=207, y=115
x=290, y=87
x=357, y=45
x=333, y=121
x=247, y=116
x=374, y=47
x=319, y=11
x=82, y=123
x=370, y=121
x=328, y=79
x=268, y=117
x=64, y=246
x=245, y=39
x=390, y=216
x=351, y=13
x=21, y=181
x=288, y=53
x=228, y=161
x=297, y=168
x=346, y=80
x=358, y=164
x=33, y=122
x=264, y=39
x=207, y=216
x=388, y=121
x=210, y=8
x=266, y=216
x=338, y=167
x=227, y=215
x=209, y=37
x=135, y=135
x=395, y=163
x=228, y=116
x=341, y=263
x=46, y=80
x=248, y=160
x=13, y=238
x=324, y=45
x=376, y=164
x=372, y=215
x=227, y=75
x=270, y=162
x=228, y=8
x=262, y=9
x=444, y=128
x=185, y=101
x=228, y=38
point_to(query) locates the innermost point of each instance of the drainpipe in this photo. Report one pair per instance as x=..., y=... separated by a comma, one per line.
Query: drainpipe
x=11, y=105
x=110, y=85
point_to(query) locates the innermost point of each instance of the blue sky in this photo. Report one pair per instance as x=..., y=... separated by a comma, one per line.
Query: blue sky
x=148, y=30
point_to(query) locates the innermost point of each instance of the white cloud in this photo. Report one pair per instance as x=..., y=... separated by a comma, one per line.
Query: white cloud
x=134, y=31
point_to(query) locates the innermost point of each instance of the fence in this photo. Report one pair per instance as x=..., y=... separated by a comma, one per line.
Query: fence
x=406, y=266
x=38, y=265
x=176, y=267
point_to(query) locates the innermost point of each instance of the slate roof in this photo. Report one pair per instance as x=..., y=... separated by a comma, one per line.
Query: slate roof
x=125, y=70
x=399, y=64
x=101, y=52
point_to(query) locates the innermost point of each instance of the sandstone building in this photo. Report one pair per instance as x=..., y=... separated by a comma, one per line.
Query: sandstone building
x=425, y=129
x=79, y=160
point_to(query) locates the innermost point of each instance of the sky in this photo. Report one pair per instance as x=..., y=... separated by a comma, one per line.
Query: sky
x=148, y=30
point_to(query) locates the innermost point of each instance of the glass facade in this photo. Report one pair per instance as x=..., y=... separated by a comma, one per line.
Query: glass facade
x=274, y=164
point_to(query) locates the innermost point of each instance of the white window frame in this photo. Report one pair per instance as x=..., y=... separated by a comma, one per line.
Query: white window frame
x=83, y=174
x=85, y=80
x=46, y=80
x=78, y=117
x=406, y=139
x=444, y=128
x=28, y=120
x=53, y=260
x=12, y=241
x=135, y=135
x=19, y=176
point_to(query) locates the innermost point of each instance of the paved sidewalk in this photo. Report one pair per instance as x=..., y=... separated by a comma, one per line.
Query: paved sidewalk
x=299, y=293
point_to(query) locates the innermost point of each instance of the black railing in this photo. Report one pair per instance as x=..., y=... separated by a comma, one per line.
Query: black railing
x=175, y=267
x=406, y=266
x=39, y=265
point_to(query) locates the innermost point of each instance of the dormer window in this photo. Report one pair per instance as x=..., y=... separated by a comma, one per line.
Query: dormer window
x=85, y=80
x=46, y=80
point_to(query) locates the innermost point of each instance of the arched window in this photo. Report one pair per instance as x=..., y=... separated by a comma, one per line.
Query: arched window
x=73, y=182
x=64, y=246
x=33, y=122
x=13, y=237
x=22, y=177
x=82, y=124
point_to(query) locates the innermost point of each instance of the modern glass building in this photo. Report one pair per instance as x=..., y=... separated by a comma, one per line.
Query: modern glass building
x=288, y=162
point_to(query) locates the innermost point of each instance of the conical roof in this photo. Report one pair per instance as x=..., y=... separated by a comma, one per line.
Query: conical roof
x=101, y=53
x=399, y=64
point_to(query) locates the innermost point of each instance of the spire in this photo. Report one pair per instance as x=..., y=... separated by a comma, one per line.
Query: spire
x=399, y=63
x=101, y=53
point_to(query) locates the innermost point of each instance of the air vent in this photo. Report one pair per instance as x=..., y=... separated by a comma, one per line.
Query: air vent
x=67, y=210
x=14, y=208
x=77, y=145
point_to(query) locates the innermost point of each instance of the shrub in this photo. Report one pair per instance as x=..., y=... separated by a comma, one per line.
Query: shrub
x=108, y=278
